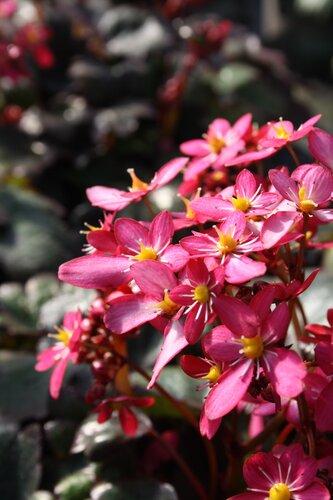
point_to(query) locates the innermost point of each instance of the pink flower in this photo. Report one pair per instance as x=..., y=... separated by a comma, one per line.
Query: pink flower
x=246, y=196
x=283, y=132
x=7, y=8
x=247, y=342
x=321, y=146
x=221, y=143
x=122, y=404
x=230, y=242
x=139, y=243
x=63, y=351
x=307, y=190
x=114, y=199
x=282, y=475
x=198, y=293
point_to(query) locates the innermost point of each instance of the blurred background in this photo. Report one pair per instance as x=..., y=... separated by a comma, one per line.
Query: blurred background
x=88, y=89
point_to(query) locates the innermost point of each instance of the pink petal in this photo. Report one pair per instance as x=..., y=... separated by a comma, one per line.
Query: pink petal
x=229, y=390
x=218, y=128
x=129, y=232
x=196, y=147
x=95, y=271
x=242, y=125
x=234, y=224
x=161, y=231
x=47, y=359
x=316, y=491
x=213, y=207
x=319, y=183
x=194, y=366
x=197, y=272
x=262, y=301
x=276, y=324
x=321, y=146
x=168, y=172
x=324, y=409
x=175, y=257
x=251, y=156
x=208, y=427
x=57, y=377
x=130, y=311
x=276, y=227
x=242, y=269
x=174, y=343
x=285, y=370
x=198, y=165
x=102, y=240
x=258, y=468
x=237, y=316
x=219, y=345
x=284, y=185
x=111, y=199
x=195, y=323
x=153, y=277
x=246, y=184
x=228, y=153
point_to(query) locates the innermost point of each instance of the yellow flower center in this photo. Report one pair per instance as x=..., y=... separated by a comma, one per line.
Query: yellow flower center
x=281, y=132
x=137, y=184
x=167, y=305
x=253, y=348
x=190, y=214
x=242, y=204
x=227, y=243
x=146, y=253
x=201, y=294
x=216, y=144
x=213, y=375
x=279, y=491
x=63, y=336
x=306, y=205
x=218, y=176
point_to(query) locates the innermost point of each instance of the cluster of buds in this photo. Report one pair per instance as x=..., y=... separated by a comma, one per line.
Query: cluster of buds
x=200, y=289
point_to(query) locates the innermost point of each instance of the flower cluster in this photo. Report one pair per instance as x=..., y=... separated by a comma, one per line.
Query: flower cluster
x=203, y=289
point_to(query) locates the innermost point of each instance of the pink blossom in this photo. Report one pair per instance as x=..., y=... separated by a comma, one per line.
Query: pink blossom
x=308, y=190
x=246, y=196
x=114, y=199
x=230, y=242
x=139, y=243
x=247, y=342
x=7, y=8
x=221, y=143
x=64, y=350
x=197, y=293
x=283, y=132
x=285, y=474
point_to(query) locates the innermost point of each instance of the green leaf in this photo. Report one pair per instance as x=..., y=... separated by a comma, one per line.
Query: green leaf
x=23, y=391
x=97, y=440
x=19, y=461
x=76, y=486
x=138, y=490
x=34, y=238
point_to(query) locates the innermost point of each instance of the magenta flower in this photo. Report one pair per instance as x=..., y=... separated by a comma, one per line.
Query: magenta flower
x=198, y=293
x=246, y=196
x=283, y=132
x=122, y=404
x=282, y=475
x=308, y=190
x=139, y=243
x=247, y=343
x=321, y=146
x=230, y=242
x=64, y=350
x=7, y=8
x=221, y=143
x=114, y=199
